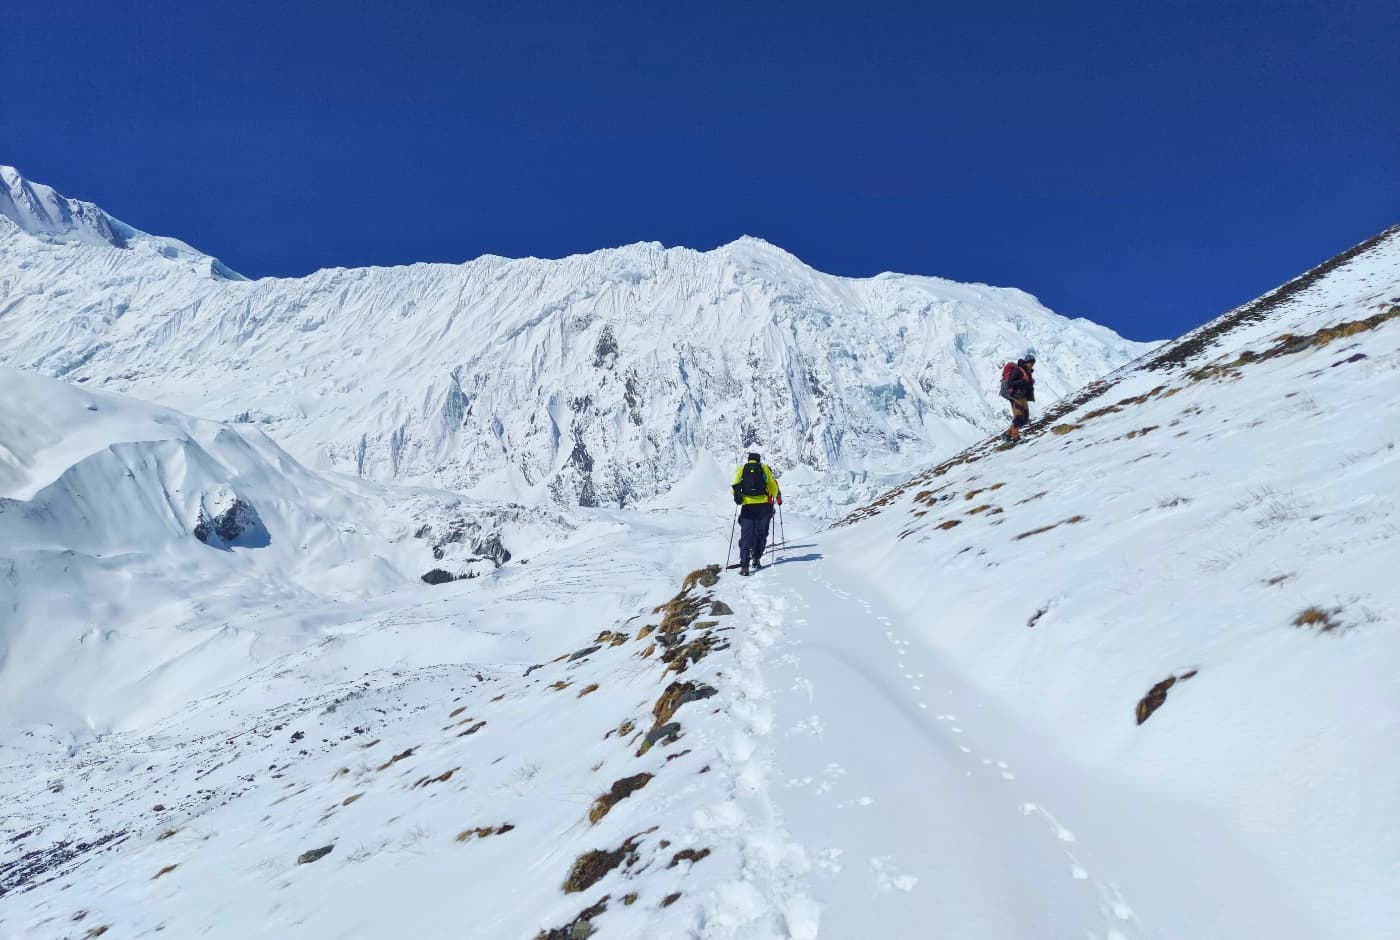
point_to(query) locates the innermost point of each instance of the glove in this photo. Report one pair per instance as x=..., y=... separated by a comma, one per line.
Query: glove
x=780, y=499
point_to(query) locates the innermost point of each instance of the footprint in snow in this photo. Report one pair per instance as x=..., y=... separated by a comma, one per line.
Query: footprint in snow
x=887, y=878
x=1061, y=833
x=828, y=861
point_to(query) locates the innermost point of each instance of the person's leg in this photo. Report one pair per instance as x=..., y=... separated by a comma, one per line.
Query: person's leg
x=747, y=533
x=761, y=535
x=1020, y=417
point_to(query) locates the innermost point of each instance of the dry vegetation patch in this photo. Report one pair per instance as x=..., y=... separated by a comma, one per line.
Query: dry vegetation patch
x=1157, y=695
x=688, y=855
x=483, y=832
x=1046, y=528
x=620, y=790
x=705, y=577
x=592, y=866
x=1290, y=344
x=581, y=926
x=395, y=759
x=1324, y=621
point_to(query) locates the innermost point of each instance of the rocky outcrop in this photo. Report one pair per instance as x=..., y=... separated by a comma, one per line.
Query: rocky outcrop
x=228, y=521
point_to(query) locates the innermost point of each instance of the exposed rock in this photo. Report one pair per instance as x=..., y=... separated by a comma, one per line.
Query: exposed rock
x=439, y=576
x=305, y=858
x=581, y=927
x=667, y=733
x=227, y=520
x=676, y=695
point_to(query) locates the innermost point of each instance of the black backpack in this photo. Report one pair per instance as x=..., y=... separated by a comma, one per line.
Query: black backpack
x=754, y=482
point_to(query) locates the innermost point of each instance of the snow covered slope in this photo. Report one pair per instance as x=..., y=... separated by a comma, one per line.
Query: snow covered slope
x=144, y=554
x=1133, y=678
x=1182, y=590
x=50, y=217
x=601, y=379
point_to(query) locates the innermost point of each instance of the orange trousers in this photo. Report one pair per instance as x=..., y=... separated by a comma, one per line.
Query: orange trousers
x=1020, y=417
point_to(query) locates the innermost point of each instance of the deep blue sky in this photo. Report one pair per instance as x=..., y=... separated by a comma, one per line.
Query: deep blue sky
x=1146, y=165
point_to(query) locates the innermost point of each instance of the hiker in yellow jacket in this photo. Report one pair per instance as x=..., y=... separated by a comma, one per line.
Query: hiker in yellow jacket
x=755, y=492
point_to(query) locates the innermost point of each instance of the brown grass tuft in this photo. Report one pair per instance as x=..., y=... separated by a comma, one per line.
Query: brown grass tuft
x=591, y=867
x=165, y=871
x=1154, y=699
x=1324, y=620
x=591, y=687
x=688, y=855
x=395, y=759
x=620, y=790
x=483, y=832
x=705, y=577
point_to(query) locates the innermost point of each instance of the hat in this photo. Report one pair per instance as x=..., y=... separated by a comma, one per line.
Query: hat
x=1029, y=356
x=753, y=455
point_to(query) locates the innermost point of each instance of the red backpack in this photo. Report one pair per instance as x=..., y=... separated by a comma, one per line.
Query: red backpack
x=1008, y=371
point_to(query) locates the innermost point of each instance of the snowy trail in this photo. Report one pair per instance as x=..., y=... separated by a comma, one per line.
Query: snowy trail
x=919, y=807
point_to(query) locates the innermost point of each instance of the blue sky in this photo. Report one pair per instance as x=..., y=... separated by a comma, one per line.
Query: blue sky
x=1146, y=165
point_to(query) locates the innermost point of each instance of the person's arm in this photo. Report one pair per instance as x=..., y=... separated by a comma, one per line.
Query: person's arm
x=775, y=492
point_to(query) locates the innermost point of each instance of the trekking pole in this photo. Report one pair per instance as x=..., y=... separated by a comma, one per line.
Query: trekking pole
x=730, y=550
x=782, y=529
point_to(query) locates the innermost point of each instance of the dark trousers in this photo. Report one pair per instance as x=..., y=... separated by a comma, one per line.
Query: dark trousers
x=753, y=531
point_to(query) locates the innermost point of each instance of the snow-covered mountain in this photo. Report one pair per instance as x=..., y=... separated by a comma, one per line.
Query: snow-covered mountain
x=52, y=218
x=601, y=379
x=143, y=553
x=1132, y=678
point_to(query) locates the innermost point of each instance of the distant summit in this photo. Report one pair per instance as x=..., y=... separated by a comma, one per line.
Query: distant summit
x=46, y=214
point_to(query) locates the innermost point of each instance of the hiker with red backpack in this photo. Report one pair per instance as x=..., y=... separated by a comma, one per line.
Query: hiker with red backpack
x=1018, y=387
x=756, y=491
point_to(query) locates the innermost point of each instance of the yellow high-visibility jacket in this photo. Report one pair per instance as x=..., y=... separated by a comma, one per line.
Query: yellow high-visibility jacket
x=772, y=485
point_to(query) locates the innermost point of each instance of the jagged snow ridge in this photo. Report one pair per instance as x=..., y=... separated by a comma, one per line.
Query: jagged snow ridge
x=598, y=379
x=43, y=213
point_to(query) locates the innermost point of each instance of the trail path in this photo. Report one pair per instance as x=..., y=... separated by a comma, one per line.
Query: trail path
x=918, y=807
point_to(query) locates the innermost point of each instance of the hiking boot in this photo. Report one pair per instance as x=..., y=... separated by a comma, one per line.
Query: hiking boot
x=757, y=565
x=743, y=569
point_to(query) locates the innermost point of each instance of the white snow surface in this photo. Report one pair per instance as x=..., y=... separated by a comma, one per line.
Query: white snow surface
x=920, y=721
x=600, y=379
